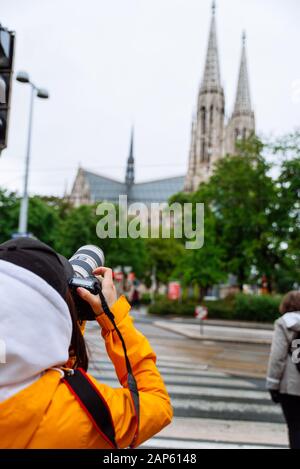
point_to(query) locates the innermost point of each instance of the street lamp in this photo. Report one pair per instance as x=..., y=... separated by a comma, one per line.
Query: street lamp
x=23, y=77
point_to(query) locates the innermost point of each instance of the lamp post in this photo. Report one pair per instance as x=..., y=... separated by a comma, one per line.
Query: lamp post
x=23, y=77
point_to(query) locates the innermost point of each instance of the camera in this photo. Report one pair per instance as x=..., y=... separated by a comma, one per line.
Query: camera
x=83, y=263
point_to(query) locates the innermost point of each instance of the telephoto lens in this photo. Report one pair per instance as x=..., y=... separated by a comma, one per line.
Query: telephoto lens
x=87, y=259
x=84, y=262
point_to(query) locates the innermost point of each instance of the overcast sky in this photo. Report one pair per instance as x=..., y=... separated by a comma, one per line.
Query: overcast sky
x=109, y=64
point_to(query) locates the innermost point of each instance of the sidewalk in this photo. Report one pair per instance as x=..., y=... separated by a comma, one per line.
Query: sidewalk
x=222, y=332
x=226, y=323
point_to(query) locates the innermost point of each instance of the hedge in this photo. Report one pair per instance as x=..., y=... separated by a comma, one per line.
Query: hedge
x=262, y=308
x=145, y=299
x=259, y=308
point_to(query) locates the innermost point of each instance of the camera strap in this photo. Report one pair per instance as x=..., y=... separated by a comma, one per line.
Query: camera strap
x=90, y=398
x=92, y=402
x=132, y=386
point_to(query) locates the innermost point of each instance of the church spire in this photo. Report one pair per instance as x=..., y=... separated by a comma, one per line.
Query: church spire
x=129, y=178
x=242, y=123
x=243, y=100
x=211, y=77
x=208, y=130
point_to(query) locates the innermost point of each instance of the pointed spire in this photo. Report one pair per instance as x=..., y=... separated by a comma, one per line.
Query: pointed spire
x=213, y=7
x=243, y=100
x=129, y=179
x=211, y=76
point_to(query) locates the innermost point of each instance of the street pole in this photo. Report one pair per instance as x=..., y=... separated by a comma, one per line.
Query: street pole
x=23, y=218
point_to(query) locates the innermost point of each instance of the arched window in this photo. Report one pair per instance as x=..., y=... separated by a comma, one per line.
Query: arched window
x=203, y=133
x=203, y=120
x=211, y=115
x=203, y=150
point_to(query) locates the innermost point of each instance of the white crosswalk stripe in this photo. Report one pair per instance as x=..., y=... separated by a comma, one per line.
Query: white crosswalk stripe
x=211, y=409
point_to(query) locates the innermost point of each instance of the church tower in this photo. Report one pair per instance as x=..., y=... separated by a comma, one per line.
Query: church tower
x=242, y=122
x=208, y=125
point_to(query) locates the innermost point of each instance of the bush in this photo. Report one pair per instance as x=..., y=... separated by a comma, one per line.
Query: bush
x=146, y=299
x=220, y=309
x=165, y=307
x=262, y=308
x=239, y=307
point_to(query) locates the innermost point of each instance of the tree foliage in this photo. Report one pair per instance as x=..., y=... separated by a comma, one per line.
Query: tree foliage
x=252, y=223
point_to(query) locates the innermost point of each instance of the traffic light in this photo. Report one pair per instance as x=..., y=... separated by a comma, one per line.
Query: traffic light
x=7, y=41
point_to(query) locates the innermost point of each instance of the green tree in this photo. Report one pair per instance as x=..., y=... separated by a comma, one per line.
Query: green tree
x=164, y=255
x=128, y=252
x=77, y=229
x=9, y=212
x=43, y=220
x=243, y=196
x=287, y=149
x=204, y=266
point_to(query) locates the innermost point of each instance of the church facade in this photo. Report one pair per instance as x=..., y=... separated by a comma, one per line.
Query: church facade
x=211, y=139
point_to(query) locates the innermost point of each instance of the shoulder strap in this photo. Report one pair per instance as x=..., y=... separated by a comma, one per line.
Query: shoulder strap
x=92, y=402
x=132, y=384
x=90, y=398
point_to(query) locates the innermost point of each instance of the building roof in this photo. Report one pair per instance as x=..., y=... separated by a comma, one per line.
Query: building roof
x=158, y=190
x=103, y=188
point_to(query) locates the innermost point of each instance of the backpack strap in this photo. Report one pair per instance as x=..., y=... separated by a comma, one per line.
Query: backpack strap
x=92, y=402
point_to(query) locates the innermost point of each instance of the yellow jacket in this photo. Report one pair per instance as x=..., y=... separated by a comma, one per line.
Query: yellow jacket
x=47, y=415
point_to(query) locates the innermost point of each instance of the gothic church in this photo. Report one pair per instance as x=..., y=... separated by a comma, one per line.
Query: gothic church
x=211, y=137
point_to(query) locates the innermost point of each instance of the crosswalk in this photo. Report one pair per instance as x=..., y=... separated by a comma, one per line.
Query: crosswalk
x=212, y=409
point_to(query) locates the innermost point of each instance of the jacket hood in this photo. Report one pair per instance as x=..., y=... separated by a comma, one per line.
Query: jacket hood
x=292, y=320
x=35, y=329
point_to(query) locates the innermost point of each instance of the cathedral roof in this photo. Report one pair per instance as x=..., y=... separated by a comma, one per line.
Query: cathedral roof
x=103, y=188
x=158, y=190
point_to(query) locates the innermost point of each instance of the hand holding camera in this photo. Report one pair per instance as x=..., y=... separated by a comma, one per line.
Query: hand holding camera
x=108, y=290
x=86, y=288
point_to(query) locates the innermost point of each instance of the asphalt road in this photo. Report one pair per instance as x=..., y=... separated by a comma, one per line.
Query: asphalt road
x=217, y=390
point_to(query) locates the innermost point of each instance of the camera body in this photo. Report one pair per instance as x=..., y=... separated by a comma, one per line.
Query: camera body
x=83, y=263
x=92, y=284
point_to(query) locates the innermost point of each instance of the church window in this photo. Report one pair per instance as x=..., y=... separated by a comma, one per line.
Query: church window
x=211, y=115
x=203, y=120
x=203, y=150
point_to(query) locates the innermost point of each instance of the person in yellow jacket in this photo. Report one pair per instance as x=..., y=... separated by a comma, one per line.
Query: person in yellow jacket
x=40, y=334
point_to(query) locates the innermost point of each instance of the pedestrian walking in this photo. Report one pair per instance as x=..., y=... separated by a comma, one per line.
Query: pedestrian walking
x=283, y=378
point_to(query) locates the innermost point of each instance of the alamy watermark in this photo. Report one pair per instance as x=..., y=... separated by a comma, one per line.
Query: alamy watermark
x=154, y=220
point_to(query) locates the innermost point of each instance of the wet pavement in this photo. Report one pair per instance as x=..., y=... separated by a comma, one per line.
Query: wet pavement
x=217, y=389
